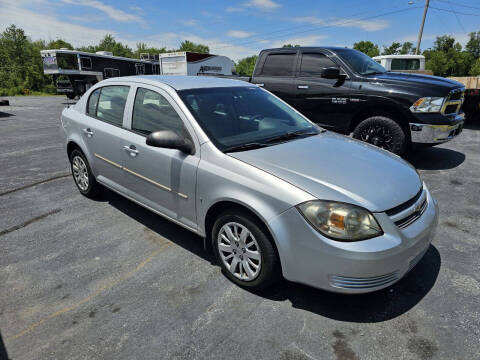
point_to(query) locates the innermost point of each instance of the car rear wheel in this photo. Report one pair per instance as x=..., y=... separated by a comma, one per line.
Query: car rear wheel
x=82, y=174
x=383, y=132
x=244, y=251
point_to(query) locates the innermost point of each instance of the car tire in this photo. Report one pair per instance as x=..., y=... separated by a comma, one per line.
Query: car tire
x=257, y=265
x=82, y=175
x=383, y=132
x=71, y=96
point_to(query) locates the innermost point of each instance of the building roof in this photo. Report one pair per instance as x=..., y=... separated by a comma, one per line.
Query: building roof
x=184, y=82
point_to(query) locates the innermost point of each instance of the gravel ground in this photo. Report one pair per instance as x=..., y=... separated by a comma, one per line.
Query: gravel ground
x=107, y=279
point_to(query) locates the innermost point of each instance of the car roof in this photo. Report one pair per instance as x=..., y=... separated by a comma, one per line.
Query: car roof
x=183, y=82
x=308, y=48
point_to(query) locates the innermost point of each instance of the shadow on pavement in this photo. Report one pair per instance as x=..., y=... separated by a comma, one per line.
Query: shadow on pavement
x=3, y=349
x=472, y=124
x=434, y=158
x=5, y=115
x=373, y=307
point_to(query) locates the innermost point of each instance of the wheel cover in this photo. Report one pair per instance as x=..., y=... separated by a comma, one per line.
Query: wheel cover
x=378, y=135
x=239, y=251
x=80, y=173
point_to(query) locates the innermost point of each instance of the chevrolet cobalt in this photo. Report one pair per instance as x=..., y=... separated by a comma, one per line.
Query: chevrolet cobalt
x=273, y=193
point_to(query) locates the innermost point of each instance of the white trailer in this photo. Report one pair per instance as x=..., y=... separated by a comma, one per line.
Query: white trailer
x=403, y=63
x=192, y=63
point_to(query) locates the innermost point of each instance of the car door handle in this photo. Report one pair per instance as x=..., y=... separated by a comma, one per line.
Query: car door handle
x=88, y=132
x=132, y=150
x=302, y=87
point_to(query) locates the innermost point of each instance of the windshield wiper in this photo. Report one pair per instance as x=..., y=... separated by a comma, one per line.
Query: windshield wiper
x=292, y=135
x=244, y=147
x=374, y=72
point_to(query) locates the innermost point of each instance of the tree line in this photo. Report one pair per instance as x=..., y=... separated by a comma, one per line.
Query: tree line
x=446, y=58
x=21, y=66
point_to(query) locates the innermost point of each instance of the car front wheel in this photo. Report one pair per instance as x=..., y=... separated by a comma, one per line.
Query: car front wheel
x=244, y=250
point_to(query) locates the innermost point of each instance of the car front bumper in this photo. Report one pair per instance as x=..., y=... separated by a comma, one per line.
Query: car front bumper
x=436, y=134
x=352, y=267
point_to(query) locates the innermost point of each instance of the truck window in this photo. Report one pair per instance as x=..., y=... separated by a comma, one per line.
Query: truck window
x=85, y=62
x=67, y=61
x=405, y=64
x=279, y=65
x=312, y=64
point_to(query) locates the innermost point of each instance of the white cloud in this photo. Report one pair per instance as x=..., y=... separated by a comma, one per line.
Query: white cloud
x=232, y=9
x=190, y=22
x=310, y=40
x=110, y=11
x=367, y=25
x=263, y=4
x=239, y=34
x=47, y=27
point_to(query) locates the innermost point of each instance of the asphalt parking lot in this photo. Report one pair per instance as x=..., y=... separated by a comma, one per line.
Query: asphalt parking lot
x=107, y=279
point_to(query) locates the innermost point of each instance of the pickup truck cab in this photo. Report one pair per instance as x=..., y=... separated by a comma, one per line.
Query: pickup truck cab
x=347, y=91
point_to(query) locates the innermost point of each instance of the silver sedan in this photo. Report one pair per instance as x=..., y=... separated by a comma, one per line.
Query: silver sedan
x=274, y=194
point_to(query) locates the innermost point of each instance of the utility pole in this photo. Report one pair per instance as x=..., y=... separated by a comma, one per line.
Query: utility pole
x=421, y=27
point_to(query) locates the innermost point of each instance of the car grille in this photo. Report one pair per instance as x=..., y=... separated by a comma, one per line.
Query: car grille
x=453, y=102
x=347, y=282
x=410, y=211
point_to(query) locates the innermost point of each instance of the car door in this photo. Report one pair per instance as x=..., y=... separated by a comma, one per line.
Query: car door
x=102, y=128
x=277, y=74
x=324, y=101
x=163, y=179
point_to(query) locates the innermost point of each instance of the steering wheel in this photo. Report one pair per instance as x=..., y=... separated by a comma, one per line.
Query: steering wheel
x=256, y=117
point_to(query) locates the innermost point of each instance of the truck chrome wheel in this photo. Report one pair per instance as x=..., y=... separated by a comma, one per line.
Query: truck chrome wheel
x=80, y=173
x=239, y=251
x=379, y=136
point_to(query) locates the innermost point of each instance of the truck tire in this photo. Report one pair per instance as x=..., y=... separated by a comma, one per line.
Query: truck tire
x=71, y=96
x=383, y=132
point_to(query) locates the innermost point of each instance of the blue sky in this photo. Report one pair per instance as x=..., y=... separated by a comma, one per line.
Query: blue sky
x=241, y=28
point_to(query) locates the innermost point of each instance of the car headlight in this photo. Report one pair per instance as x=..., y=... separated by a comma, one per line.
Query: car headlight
x=340, y=221
x=427, y=105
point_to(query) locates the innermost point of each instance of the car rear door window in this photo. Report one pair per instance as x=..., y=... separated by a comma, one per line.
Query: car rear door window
x=279, y=64
x=152, y=112
x=111, y=104
x=92, y=103
x=312, y=64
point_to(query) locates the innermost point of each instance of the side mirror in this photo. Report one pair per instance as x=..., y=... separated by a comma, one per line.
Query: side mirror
x=330, y=73
x=170, y=140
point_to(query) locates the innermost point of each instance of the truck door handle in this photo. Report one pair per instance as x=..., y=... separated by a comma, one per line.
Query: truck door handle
x=302, y=87
x=88, y=132
x=132, y=150
x=260, y=85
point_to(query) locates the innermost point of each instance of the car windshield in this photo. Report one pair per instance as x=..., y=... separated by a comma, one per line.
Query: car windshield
x=242, y=118
x=360, y=63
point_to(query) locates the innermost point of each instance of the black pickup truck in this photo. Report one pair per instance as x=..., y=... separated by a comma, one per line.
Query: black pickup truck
x=346, y=91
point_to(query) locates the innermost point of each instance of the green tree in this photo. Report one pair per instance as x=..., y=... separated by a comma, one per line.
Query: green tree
x=475, y=69
x=191, y=46
x=21, y=67
x=436, y=61
x=393, y=49
x=143, y=48
x=407, y=48
x=59, y=44
x=444, y=43
x=109, y=43
x=473, y=44
x=367, y=47
x=246, y=65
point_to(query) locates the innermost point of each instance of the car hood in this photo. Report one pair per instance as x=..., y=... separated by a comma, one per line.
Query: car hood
x=434, y=85
x=333, y=167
